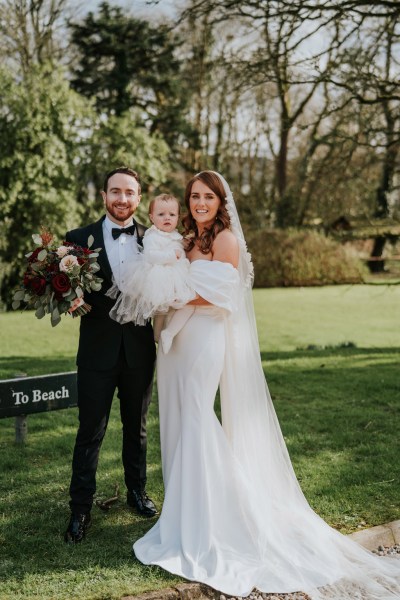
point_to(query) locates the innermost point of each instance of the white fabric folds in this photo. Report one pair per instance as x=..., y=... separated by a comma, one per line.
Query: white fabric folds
x=155, y=282
x=234, y=516
x=216, y=282
x=223, y=290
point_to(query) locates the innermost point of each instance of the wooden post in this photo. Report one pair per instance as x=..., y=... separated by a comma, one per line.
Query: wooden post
x=21, y=429
x=21, y=421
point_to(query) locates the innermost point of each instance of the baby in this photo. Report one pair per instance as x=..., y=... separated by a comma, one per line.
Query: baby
x=159, y=280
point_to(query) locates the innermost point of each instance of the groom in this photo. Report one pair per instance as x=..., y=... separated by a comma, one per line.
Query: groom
x=111, y=356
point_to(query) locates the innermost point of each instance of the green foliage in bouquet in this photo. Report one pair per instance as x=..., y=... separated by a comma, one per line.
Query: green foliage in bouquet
x=56, y=278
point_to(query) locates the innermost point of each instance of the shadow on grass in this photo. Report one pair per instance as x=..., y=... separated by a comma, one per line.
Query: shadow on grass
x=35, y=510
x=12, y=366
x=35, y=480
x=338, y=408
x=330, y=351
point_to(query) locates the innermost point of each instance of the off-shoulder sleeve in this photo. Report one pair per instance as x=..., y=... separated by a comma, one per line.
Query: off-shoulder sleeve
x=215, y=281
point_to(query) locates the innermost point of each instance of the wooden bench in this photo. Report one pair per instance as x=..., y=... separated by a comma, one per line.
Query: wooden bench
x=23, y=396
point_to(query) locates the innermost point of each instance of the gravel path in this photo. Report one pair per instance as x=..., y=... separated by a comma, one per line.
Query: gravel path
x=386, y=551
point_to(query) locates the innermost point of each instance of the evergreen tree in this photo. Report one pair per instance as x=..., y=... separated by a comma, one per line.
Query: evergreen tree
x=43, y=126
x=124, y=62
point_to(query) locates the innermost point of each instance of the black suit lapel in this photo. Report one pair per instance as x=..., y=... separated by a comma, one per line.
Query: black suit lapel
x=99, y=243
x=140, y=231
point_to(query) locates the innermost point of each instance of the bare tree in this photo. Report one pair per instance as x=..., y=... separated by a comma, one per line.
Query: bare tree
x=327, y=75
x=28, y=31
x=280, y=60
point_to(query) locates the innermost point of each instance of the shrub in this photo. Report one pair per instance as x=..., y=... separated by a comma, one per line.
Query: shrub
x=289, y=258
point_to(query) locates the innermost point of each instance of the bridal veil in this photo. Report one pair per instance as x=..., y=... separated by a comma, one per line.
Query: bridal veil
x=303, y=550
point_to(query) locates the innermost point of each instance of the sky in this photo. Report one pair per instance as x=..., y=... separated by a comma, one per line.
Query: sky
x=139, y=8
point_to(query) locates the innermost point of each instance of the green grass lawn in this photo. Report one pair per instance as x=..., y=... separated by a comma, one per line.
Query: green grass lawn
x=331, y=357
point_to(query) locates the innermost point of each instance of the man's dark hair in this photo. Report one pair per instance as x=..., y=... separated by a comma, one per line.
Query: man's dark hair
x=126, y=171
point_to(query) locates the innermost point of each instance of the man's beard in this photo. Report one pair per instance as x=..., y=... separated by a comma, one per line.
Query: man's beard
x=117, y=216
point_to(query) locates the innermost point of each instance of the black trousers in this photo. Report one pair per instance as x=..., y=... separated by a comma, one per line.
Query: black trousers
x=95, y=394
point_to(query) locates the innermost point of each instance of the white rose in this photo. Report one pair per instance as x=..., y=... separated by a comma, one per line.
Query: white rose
x=68, y=263
x=62, y=251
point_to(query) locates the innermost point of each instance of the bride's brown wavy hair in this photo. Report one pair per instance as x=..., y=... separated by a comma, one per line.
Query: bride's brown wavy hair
x=222, y=221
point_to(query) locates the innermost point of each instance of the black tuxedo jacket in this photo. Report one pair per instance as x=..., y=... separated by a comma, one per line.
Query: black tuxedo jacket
x=100, y=336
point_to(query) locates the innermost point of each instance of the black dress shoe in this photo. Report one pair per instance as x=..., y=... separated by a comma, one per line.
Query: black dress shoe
x=78, y=524
x=140, y=501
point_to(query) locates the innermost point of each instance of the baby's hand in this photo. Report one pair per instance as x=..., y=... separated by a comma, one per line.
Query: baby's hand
x=178, y=253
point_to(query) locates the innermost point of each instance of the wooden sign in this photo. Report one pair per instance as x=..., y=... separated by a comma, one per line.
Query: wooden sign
x=28, y=395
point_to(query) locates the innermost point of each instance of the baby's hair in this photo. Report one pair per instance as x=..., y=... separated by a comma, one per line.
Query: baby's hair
x=163, y=198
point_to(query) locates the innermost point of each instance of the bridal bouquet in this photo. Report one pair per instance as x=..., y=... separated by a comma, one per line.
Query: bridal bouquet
x=56, y=277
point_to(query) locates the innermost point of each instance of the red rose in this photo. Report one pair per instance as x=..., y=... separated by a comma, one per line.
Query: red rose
x=61, y=283
x=52, y=268
x=38, y=285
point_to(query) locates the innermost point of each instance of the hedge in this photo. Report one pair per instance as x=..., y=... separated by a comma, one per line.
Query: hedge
x=290, y=258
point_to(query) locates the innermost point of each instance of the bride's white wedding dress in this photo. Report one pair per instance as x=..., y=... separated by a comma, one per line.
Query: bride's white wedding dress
x=234, y=516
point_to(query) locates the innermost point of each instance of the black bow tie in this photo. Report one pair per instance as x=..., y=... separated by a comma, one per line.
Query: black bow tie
x=116, y=232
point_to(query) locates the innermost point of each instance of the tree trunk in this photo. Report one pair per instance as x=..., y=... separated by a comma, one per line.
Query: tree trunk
x=283, y=208
x=382, y=208
x=377, y=266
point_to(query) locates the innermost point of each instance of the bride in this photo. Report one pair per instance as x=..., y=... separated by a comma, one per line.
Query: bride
x=234, y=516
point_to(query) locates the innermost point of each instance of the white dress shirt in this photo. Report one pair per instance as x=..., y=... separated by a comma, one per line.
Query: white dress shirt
x=120, y=252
